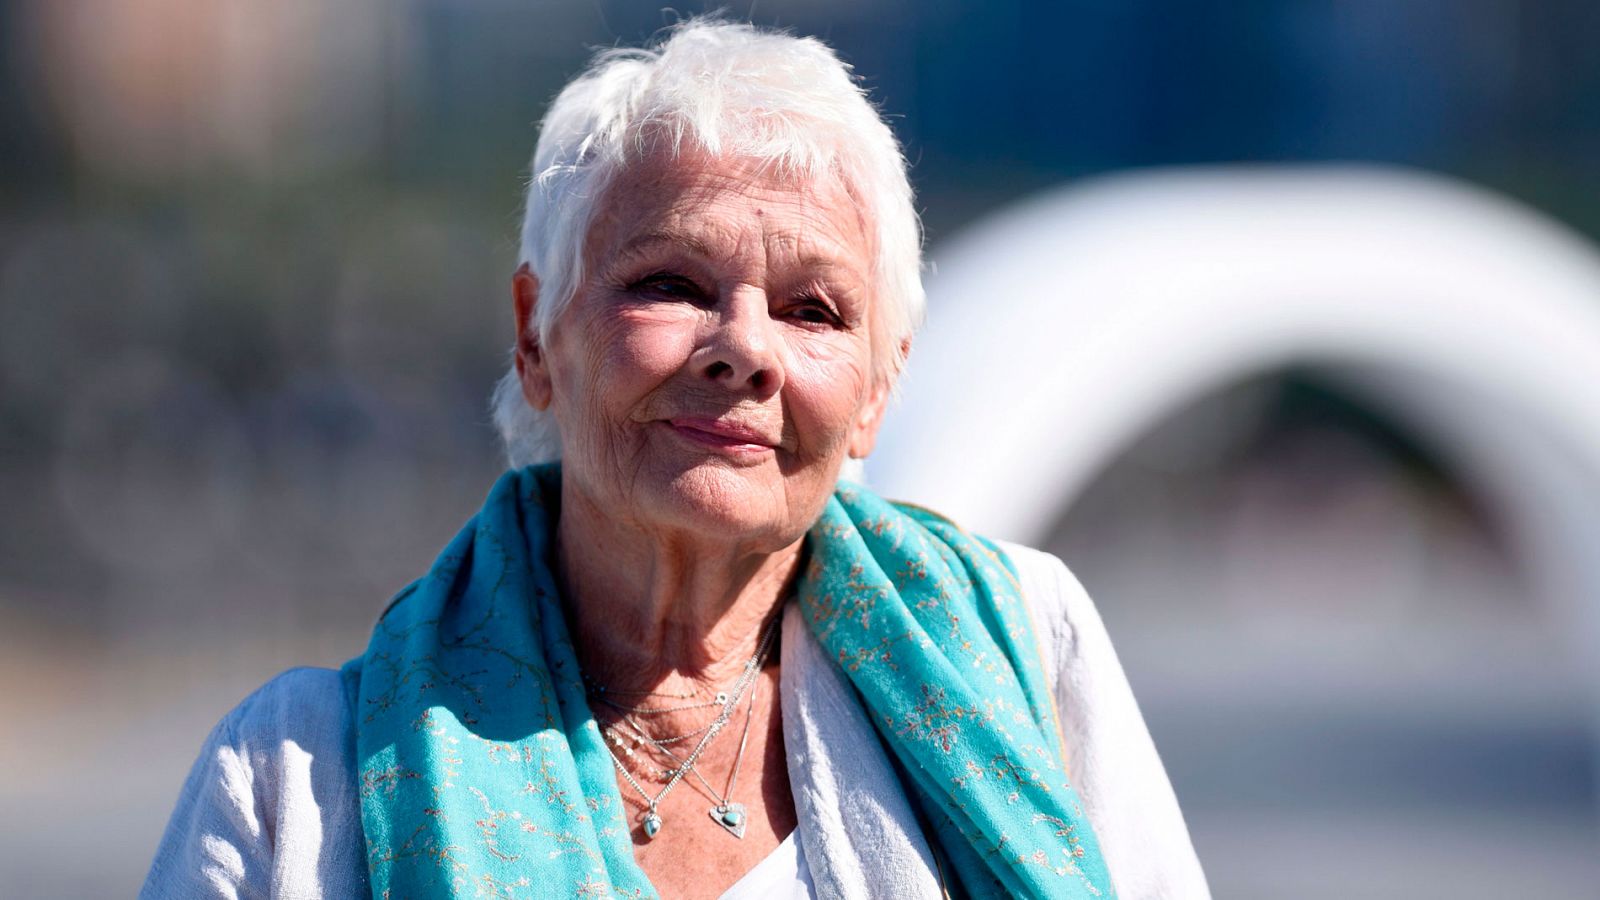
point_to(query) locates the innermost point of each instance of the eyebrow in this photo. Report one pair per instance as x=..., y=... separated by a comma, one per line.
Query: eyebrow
x=671, y=238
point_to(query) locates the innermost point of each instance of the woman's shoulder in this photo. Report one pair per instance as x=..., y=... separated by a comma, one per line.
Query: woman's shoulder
x=270, y=802
x=1115, y=768
x=300, y=715
x=1060, y=607
x=305, y=705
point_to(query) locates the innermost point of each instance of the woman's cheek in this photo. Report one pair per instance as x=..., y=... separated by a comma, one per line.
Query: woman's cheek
x=648, y=346
x=617, y=358
x=826, y=388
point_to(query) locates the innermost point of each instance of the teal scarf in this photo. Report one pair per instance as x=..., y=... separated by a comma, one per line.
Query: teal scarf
x=481, y=770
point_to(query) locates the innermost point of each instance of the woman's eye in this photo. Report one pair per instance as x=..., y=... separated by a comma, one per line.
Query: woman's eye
x=672, y=286
x=814, y=312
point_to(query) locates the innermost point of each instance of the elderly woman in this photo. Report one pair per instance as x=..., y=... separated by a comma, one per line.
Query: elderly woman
x=687, y=660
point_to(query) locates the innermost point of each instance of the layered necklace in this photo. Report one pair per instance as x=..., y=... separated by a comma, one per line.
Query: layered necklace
x=629, y=730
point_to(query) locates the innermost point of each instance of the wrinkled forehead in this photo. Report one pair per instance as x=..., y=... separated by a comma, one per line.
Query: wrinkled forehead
x=710, y=200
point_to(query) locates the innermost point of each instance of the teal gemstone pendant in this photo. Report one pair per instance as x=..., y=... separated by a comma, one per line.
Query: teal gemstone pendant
x=652, y=824
x=731, y=817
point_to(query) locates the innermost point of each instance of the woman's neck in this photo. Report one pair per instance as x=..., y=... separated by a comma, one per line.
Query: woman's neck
x=664, y=611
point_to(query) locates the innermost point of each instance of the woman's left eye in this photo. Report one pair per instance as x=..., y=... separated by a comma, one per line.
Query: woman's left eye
x=814, y=312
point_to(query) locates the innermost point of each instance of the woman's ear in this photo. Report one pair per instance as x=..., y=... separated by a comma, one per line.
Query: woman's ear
x=864, y=433
x=529, y=356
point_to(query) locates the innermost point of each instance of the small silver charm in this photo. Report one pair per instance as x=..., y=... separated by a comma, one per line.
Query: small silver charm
x=652, y=824
x=731, y=817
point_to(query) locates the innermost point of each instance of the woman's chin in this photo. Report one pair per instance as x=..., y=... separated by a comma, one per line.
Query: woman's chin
x=731, y=501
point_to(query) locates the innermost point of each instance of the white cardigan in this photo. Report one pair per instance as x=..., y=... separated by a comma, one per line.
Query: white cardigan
x=270, y=808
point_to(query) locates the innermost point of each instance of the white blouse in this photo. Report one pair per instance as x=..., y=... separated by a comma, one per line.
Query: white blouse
x=270, y=809
x=782, y=875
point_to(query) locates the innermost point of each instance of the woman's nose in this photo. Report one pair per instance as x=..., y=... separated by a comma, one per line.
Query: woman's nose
x=743, y=350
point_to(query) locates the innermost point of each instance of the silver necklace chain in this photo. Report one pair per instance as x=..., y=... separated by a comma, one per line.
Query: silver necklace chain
x=719, y=700
x=675, y=739
x=616, y=735
x=652, y=817
x=602, y=689
x=723, y=798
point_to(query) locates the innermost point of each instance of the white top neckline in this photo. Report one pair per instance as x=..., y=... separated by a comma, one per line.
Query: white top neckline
x=781, y=875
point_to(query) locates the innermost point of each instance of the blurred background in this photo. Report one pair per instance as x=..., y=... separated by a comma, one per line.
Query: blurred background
x=254, y=260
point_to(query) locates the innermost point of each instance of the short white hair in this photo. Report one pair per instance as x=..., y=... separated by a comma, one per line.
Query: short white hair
x=723, y=88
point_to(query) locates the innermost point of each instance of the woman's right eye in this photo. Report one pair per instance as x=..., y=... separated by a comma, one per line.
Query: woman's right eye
x=661, y=284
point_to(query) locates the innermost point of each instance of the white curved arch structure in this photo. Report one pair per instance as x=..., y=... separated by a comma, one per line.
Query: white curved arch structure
x=1063, y=328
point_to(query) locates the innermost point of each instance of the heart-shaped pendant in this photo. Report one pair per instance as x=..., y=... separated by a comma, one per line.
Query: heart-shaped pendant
x=731, y=817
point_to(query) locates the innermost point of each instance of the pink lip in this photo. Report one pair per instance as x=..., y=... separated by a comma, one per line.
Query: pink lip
x=727, y=436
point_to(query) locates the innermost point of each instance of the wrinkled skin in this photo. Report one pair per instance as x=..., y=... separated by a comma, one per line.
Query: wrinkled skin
x=716, y=366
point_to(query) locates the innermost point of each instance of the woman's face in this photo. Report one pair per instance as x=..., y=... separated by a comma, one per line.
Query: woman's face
x=715, y=366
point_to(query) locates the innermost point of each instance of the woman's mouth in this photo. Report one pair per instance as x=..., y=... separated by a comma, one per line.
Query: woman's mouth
x=732, y=438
